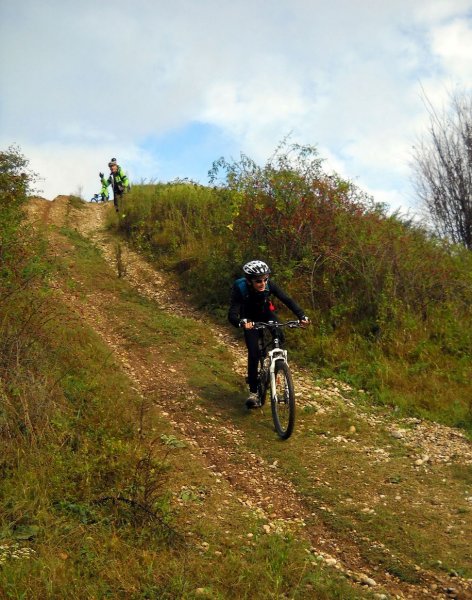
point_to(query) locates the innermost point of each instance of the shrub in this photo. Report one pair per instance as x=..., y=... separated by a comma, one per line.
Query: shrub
x=382, y=291
x=23, y=299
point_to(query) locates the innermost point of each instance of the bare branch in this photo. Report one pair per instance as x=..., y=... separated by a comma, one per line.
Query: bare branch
x=442, y=165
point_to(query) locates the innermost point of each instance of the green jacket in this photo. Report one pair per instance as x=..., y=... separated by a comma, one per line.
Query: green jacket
x=119, y=182
x=104, y=190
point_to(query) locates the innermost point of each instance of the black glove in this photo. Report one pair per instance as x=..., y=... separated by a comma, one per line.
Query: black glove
x=100, y=175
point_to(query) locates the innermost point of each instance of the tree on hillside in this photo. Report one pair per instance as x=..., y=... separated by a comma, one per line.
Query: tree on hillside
x=442, y=168
x=18, y=251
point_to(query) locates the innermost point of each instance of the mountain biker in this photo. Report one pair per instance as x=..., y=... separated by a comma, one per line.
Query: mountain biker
x=250, y=302
x=117, y=179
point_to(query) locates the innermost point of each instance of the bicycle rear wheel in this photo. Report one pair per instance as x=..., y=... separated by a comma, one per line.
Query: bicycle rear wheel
x=283, y=401
x=262, y=381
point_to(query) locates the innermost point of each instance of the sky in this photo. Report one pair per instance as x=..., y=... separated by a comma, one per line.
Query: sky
x=169, y=87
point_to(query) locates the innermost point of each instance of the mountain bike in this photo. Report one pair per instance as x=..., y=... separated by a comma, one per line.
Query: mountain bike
x=98, y=198
x=274, y=375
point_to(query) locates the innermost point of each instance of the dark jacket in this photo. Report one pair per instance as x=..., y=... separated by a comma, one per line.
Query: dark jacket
x=257, y=306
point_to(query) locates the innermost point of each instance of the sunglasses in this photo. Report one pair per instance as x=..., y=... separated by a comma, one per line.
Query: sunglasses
x=263, y=280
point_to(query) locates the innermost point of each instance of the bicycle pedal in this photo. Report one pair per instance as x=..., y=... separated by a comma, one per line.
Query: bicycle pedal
x=251, y=404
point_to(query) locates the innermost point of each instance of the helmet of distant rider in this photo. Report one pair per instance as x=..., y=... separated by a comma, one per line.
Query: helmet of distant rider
x=112, y=162
x=254, y=268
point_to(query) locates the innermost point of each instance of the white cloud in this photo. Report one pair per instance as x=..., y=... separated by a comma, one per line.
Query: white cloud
x=435, y=11
x=75, y=169
x=452, y=43
x=83, y=83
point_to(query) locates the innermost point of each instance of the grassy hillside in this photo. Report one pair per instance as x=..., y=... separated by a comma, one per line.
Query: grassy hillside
x=100, y=497
x=130, y=467
x=391, y=305
x=147, y=478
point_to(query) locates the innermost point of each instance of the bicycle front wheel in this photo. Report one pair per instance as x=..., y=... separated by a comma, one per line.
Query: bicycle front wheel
x=283, y=400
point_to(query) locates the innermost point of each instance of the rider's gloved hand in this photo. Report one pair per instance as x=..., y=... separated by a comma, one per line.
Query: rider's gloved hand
x=245, y=324
x=100, y=175
x=304, y=321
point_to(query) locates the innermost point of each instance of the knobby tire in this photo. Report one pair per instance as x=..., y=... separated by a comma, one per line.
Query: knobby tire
x=262, y=383
x=283, y=403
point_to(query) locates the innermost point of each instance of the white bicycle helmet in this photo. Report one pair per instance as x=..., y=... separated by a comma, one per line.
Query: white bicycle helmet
x=255, y=268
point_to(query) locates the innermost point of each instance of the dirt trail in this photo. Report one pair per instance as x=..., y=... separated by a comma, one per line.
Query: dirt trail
x=255, y=484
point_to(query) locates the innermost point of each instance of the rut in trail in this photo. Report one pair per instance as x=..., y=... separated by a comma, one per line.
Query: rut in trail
x=257, y=483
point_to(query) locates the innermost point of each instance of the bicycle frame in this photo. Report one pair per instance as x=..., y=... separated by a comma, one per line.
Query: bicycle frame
x=276, y=350
x=278, y=363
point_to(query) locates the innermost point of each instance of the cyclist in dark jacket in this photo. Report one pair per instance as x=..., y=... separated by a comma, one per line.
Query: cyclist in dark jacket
x=250, y=302
x=117, y=179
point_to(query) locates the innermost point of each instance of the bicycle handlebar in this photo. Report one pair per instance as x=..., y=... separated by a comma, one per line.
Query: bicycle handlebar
x=275, y=324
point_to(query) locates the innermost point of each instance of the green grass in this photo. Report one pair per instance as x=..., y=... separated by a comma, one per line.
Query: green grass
x=63, y=494
x=420, y=540
x=77, y=202
x=100, y=497
x=93, y=496
x=402, y=333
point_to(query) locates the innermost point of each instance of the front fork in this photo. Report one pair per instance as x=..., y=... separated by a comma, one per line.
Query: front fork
x=275, y=355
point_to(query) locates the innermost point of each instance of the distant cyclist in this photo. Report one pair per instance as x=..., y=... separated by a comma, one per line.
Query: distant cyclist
x=250, y=302
x=117, y=179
